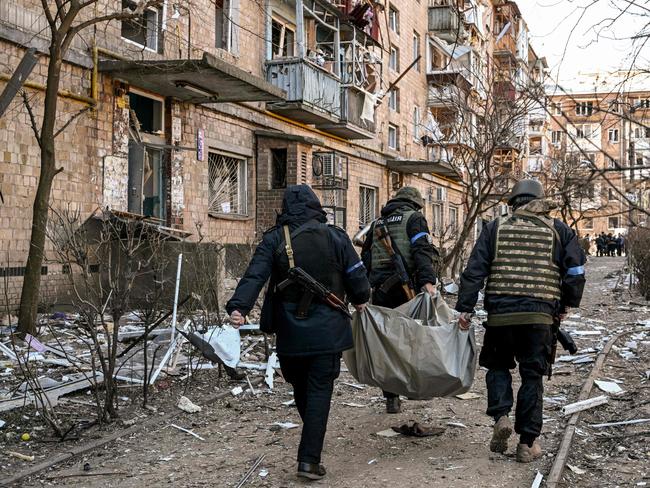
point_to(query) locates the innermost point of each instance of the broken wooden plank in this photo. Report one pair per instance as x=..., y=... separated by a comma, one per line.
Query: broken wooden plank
x=572, y=408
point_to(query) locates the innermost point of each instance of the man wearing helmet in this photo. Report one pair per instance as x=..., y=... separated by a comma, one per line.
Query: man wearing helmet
x=534, y=268
x=410, y=238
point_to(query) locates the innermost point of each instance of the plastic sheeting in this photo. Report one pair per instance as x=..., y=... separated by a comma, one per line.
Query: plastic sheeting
x=415, y=350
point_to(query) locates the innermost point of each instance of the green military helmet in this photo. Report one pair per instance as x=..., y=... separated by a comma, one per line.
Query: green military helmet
x=412, y=194
x=529, y=187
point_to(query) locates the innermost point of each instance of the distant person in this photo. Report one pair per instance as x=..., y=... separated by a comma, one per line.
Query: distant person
x=600, y=245
x=611, y=245
x=620, y=242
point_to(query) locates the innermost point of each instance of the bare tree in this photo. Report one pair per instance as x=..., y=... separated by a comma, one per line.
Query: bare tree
x=66, y=20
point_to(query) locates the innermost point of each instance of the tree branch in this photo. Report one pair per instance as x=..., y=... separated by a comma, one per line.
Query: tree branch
x=32, y=118
x=48, y=15
x=72, y=119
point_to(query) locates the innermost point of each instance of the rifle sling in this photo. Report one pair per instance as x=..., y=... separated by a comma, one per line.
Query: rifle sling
x=287, y=246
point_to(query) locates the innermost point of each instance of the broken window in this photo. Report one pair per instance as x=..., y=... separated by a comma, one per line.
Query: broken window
x=393, y=136
x=584, y=131
x=613, y=222
x=149, y=112
x=367, y=205
x=279, y=168
x=227, y=185
x=613, y=135
x=144, y=29
x=393, y=61
x=146, y=180
x=283, y=38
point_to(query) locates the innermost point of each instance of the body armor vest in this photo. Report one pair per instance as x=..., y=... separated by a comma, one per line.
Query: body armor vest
x=314, y=252
x=523, y=262
x=396, y=224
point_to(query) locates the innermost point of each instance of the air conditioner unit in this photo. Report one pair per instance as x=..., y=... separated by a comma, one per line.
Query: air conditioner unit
x=332, y=165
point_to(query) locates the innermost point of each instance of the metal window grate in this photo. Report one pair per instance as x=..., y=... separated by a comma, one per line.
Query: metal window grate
x=227, y=185
x=367, y=205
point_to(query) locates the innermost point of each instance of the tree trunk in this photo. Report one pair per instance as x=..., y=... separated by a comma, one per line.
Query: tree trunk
x=32, y=281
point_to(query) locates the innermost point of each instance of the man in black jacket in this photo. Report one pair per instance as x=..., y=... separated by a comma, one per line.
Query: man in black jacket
x=410, y=238
x=310, y=335
x=534, y=268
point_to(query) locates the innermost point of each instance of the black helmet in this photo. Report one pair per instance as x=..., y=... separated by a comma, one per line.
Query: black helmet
x=529, y=188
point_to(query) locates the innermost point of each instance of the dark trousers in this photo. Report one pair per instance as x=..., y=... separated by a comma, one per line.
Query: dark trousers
x=312, y=378
x=530, y=345
x=392, y=299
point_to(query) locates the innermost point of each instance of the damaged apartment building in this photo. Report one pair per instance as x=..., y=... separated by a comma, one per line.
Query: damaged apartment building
x=203, y=111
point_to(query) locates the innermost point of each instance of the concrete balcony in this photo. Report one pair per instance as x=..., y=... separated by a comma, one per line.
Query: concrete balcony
x=445, y=21
x=447, y=96
x=352, y=124
x=313, y=93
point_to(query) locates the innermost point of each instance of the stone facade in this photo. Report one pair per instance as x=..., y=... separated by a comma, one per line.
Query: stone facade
x=186, y=144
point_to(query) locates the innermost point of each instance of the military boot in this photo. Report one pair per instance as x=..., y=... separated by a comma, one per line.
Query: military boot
x=393, y=405
x=311, y=471
x=500, y=435
x=527, y=454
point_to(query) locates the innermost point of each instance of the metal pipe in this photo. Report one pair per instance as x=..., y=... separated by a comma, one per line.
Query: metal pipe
x=300, y=29
x=61, y=93
x=94, y=77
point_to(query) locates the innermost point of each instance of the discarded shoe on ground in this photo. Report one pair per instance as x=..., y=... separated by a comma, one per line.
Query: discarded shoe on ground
x=415, y=429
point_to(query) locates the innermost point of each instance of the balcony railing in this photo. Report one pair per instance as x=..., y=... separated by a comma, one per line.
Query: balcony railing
x=446, y=22
x=507, y=44
x=445, y=96
x=307, y=84
x=352, y=102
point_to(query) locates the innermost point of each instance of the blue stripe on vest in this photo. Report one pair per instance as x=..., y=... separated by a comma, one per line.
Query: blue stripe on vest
x=575, y=271
x=352, y=268
x=417, y=236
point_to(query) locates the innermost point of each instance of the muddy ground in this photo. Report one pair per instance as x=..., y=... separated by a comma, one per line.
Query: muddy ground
x=237, y=430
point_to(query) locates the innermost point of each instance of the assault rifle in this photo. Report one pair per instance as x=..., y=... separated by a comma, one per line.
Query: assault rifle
x=564, y=338
x=381, y=234
x=312, y=288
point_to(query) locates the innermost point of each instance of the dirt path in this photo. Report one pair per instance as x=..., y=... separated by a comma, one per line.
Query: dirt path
x=238, y=430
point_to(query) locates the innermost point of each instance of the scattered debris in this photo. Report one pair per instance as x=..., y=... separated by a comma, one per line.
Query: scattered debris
x=576, y=469
x=353, y=385
x=468, y=396
x=284, y=425
x=373, y=461
x=2, y=423
x=270, y=370
x=609, y=387
x=237, y=390
x=186, y=405
x=387, y=433
x=187, y=431
x=624, y=422
x=17, y=455
x=537, y=482
x=572, y=408
x=414, y=429
x=264, y=473
x=457, y=424
x=289, y=403
x=352, y=404
x=250, y=472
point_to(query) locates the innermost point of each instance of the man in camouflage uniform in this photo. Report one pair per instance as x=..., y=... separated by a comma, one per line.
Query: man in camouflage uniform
x=410, y=237
x=534, y=268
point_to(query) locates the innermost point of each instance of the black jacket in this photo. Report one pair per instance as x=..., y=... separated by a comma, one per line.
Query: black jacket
x=326, y=330
x=422, y=250
x=568, y=256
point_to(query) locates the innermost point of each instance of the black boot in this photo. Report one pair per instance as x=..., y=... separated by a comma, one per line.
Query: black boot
x=393, y=405
x=311, y=471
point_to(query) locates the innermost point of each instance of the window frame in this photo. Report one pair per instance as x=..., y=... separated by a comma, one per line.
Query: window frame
x=395, y=129
x=393, y=100
x=393, y=18
x=609, y=222
x=242, y=185
x=158, y=23
x=416, y=123
x=393, y=58
x=584, y=108
x=285, y=25
x=559, y=138
x=611, y=131
x=416, y=49
x=373, y=191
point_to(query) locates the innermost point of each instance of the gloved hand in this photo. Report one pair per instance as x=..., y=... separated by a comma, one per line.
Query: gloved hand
x=465, y=320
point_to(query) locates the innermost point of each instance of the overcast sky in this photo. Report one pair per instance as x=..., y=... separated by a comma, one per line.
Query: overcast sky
x=569, y=36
